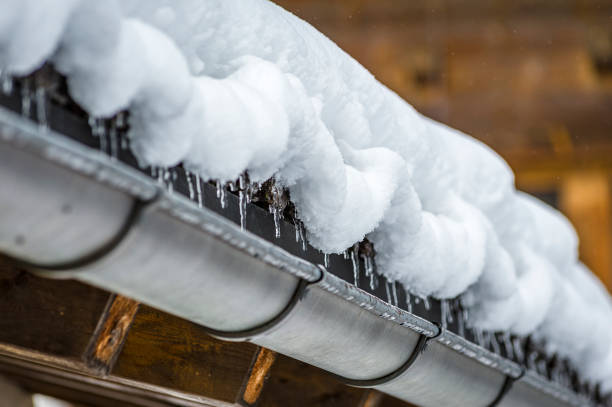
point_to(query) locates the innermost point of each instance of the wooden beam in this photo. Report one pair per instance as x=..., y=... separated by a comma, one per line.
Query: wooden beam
x=41, y=373
x=586, y=200
x=296, y=384
x=110, y=334
x=56, y=317
x=165, y=350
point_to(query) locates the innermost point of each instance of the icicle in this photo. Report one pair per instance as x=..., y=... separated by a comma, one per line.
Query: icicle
x=277, y=218
x=190, y=185
x=518, y=351
x=479, y=336
x=198, y=189
x=326, y=260
x=388, y=292
x=444, y=313
x=495, y=344
x=394, y=292
x=408, y=301
x=41, y=108
x=6, y=81
x=276, y=208
x=168, y=180
x=426, y=303
x=460, y=324
x=26, y=98
x=160, y=175
x=99, y=130
x=242, y=201
x=373, y=281
x=369, y=271
x=297, y=231
x=417, y=299
x=302, y=235
x=346, y=254
x=355, y=261
x=221, y=194
x=508, y=345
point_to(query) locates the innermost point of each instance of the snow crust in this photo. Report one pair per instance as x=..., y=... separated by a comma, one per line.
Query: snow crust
x=226, y=86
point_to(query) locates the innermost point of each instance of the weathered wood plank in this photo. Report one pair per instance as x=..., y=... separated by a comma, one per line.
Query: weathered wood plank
x=52, y=316
x=171, y=352
x=113, y=327
x=296, y=384
x=40, y=373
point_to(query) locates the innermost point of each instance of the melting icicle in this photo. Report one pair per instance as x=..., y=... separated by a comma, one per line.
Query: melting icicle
x=518, y=351
x=326, y=260
x=302, y=236
x=276, y=208
x=394, y=292
x=426, y=303
x=242, y=201
x=355, y=261
x=276, y=215
x=221, y=194
x=495, y=344
x=26, y=98
x=369, y=272
x=41, y=108
x=508, y=345
x=190, y=185
x=444, y=311
x=460, y=324
x=198, y=189
x=388, y=292
x=408, y=301
x=168, y=180
x=479, y=336
x=6, y=81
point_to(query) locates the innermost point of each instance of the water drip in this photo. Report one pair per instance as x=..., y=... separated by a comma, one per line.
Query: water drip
x=190, y=185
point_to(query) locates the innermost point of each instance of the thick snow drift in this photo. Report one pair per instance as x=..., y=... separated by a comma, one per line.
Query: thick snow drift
x=206, y=80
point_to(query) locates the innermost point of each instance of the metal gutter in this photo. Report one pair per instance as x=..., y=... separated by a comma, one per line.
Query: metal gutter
x=63, y=201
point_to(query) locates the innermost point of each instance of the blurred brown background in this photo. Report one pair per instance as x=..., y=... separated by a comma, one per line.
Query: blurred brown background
x=532, y=79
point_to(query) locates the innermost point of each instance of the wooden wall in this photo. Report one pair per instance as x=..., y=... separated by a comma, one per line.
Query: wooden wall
x=531, y=78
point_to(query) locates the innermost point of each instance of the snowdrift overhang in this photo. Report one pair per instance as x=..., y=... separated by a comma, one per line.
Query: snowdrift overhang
x=69, y=211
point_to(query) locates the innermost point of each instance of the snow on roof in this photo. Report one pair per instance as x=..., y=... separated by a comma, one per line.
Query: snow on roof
x=227, y=86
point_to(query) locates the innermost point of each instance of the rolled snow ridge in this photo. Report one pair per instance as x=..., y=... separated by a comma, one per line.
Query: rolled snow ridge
x=228, y=86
